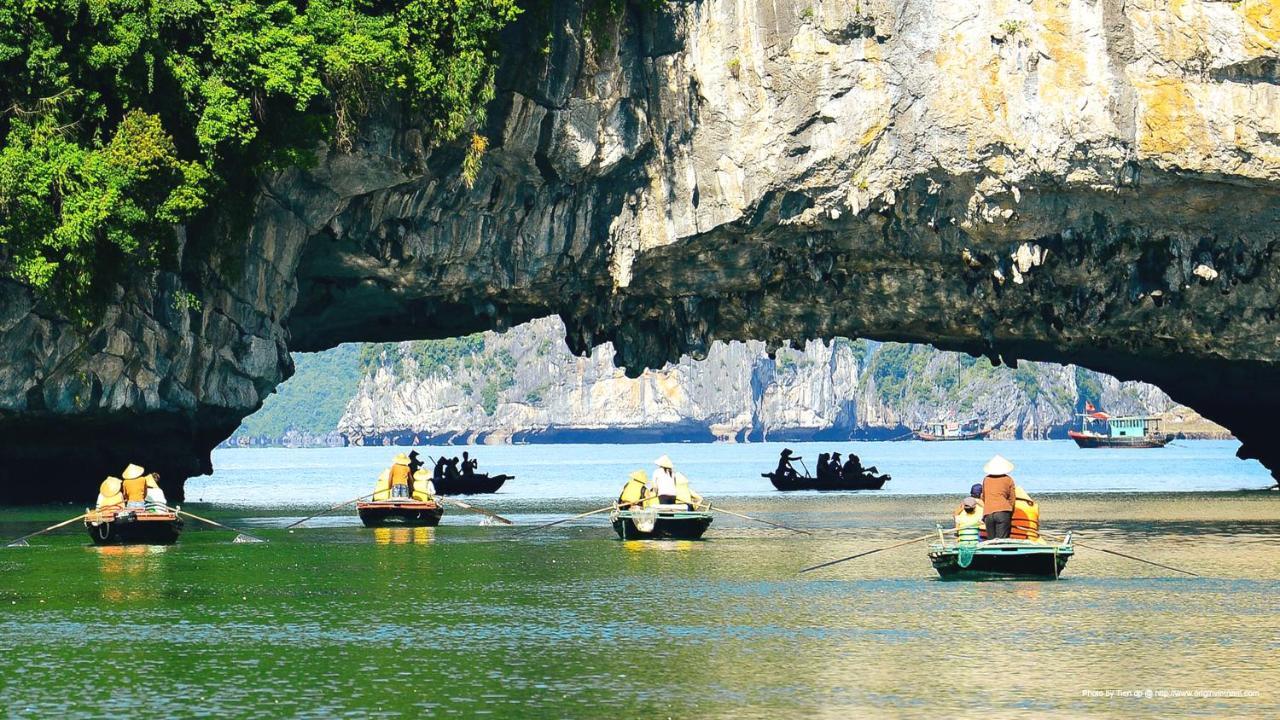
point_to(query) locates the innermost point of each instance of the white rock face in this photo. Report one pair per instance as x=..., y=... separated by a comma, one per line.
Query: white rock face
x=737, y=393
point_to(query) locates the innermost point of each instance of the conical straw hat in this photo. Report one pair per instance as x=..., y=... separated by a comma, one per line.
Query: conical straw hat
x=400, y=459
x=132, y=472
x=664, y=462
x=997, y=466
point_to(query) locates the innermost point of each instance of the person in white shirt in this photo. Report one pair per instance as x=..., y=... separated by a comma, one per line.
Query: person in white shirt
x=663, y=483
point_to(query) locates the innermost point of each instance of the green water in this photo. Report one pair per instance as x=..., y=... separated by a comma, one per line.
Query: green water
x=464, y=620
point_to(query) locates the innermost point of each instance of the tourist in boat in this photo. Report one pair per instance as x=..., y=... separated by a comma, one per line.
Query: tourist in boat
x=155, y=496
x=451, y=469
x=824, y=468
x=398, y=476
x=423, y=489
x=835, y=467
x=785, y=468
x=1026, y=516
x=665, y=481
x=437, y=474
x=468, y=466
x=998, y=497
x=852, y=469
x=135, y=484
x=415, y=464
x=635, y=491
x=969, y=522
x=110, y=494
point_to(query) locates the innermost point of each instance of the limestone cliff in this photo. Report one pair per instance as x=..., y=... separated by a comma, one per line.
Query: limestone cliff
x=1089, y=181
x=524, y=386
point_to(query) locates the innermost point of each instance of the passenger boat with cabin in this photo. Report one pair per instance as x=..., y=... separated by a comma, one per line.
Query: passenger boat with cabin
x=1097, y=429
x=941, y=431
x=1000, y=559
x=399, y=511
x=660, y=522
x=152, y=525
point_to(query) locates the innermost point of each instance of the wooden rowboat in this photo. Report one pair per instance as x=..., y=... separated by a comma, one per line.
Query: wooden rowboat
x=118, y=526
x=1001, y=559
x=477, y=484
x=660, y=522
x=805, y=482
x=412, y=513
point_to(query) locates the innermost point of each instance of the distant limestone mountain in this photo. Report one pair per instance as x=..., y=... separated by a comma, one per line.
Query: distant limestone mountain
x=525, y=386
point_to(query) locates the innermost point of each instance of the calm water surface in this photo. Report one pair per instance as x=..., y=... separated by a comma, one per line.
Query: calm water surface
x=469, y=620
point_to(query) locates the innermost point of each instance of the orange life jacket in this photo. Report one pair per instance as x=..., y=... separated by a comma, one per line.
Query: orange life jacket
x=1026, y=520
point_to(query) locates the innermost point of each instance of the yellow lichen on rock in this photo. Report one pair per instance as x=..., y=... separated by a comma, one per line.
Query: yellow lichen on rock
x=1171, y=126
x=1262, y=18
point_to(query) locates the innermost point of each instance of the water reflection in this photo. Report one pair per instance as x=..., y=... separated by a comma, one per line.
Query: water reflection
x=404, y=535
x=127, y=571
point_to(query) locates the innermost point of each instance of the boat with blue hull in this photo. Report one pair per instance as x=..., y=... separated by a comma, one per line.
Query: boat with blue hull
x=661, y=522
x=1001, y=559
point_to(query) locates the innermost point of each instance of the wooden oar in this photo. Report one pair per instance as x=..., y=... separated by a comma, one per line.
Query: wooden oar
x=241, y=536
x=582, y=515
x=755, y=519
x=473, y=508
x=524, y=531
x=22, y=541
x=329, y=510
x=872, y=552
x=1129, y=557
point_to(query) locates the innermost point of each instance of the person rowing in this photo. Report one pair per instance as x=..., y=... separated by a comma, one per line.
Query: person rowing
x=998, y=497
x=785, y=468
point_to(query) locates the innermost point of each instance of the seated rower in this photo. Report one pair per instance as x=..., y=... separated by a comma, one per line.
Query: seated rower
x=785, y=468
x=423, y=489
x=685, y=494
x=110, y=494
x=135, y=486
x=1026, y=516
x=968, y=520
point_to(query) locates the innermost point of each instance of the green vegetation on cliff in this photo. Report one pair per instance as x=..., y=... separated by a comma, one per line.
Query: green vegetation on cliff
x=313, y=400
x=122, y=118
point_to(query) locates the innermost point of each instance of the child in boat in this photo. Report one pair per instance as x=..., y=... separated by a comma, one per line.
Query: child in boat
x=968, y=519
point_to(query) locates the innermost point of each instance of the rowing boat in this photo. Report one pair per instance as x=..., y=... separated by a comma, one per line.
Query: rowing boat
x=477, y=484
x=996, y=559
x=118, y=526
x=397, y=511
x=805, y=482
x=660, y=522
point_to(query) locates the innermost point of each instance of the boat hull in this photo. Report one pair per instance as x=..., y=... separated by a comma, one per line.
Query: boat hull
x=1085, y=440
x=133, y=527
x=407, y=513
x=803, y=482
x=930, y=437
x=1001, y=559
x=474, y=485
x=678, y=525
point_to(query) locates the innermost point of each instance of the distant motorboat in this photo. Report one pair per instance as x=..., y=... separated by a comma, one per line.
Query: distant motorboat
x=1097, y=429
x=942, y=431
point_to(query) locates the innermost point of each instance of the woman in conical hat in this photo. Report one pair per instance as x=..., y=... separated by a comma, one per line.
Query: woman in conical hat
x=133, y=472
x=664, y=480
x=998, y=497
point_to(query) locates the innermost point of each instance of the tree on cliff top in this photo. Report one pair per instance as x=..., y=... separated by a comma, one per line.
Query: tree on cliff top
x=121, y=118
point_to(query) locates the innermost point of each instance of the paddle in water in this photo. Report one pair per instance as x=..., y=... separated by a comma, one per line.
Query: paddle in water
x=1132, y=557
x=473, y=508
x=713, y=508
x=241, y=536
x=22, y=541
x=329, y=510
x=872, y=552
